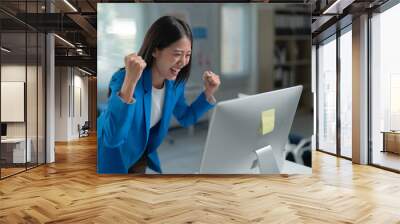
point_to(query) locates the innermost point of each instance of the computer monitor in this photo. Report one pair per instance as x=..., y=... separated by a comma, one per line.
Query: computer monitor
x=236, y=145
x=3, y=130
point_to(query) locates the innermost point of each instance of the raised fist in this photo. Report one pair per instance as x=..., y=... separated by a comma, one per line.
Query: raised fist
x=211, y=82
x=134, y=66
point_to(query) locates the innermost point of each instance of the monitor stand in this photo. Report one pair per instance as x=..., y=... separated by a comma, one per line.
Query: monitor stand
x=266, y=161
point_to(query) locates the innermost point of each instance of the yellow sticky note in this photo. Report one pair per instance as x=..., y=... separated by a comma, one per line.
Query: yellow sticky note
x=267, y=121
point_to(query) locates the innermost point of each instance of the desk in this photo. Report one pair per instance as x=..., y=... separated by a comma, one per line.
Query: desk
x=391, y=141
x=288, y=167
x=295, y=168
x=13, y=150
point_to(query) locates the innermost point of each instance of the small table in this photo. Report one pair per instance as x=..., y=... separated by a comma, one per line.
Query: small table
x=391, y=141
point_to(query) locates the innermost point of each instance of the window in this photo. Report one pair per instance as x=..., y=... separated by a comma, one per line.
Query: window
x=394, y=102
x=346, y=93
x=327, y=95
x=385, y=88
x=234, y=40
x=22, y=65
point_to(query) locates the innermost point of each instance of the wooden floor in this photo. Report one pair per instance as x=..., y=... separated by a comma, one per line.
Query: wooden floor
x=10, y=171
x=70, y=191
x=5, y=172
x=387, y=159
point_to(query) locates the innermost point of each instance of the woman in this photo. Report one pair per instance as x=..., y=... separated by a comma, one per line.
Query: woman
x=145, y=94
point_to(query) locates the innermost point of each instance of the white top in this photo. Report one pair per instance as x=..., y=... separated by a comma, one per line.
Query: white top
x=157, y=104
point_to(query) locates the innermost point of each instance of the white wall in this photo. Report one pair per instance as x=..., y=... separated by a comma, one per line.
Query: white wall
x=61, y=103
x=14, y=72
x=80, y=83
x=17, y=73
x=67, y=115
x=33, y=126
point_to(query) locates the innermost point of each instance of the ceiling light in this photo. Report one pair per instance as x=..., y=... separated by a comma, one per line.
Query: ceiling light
x=338, y=6
x=70, y=5
x=65, y=41
x=79, y=51
x=86, y=72
x=5, y=50
x=331, y=7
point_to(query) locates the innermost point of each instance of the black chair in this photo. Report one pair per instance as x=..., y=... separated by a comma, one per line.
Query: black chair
x=301, y=152
x=84, y=130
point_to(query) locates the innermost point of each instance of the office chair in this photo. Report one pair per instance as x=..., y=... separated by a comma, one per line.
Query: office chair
x=84, y=130
x=299, y=150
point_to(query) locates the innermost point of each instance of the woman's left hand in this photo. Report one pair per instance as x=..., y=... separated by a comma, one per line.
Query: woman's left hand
x=211, y=83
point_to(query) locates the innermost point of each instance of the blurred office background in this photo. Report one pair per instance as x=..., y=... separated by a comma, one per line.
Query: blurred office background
x=253, y=47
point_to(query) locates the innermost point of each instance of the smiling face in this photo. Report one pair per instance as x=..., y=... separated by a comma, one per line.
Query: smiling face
x=170, y=60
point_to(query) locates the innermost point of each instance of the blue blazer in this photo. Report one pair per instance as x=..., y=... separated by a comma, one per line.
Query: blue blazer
x=123, y=132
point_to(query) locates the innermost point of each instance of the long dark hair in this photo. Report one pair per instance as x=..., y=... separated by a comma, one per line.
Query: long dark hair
x=162, y=33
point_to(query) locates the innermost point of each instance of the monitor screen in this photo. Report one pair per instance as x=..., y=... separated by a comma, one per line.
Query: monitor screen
x=3, y=129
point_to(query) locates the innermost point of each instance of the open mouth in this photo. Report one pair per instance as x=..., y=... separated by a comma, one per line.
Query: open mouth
x=174, y=71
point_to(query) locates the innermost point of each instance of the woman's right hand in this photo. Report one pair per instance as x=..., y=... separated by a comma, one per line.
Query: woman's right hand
x=134, y=66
